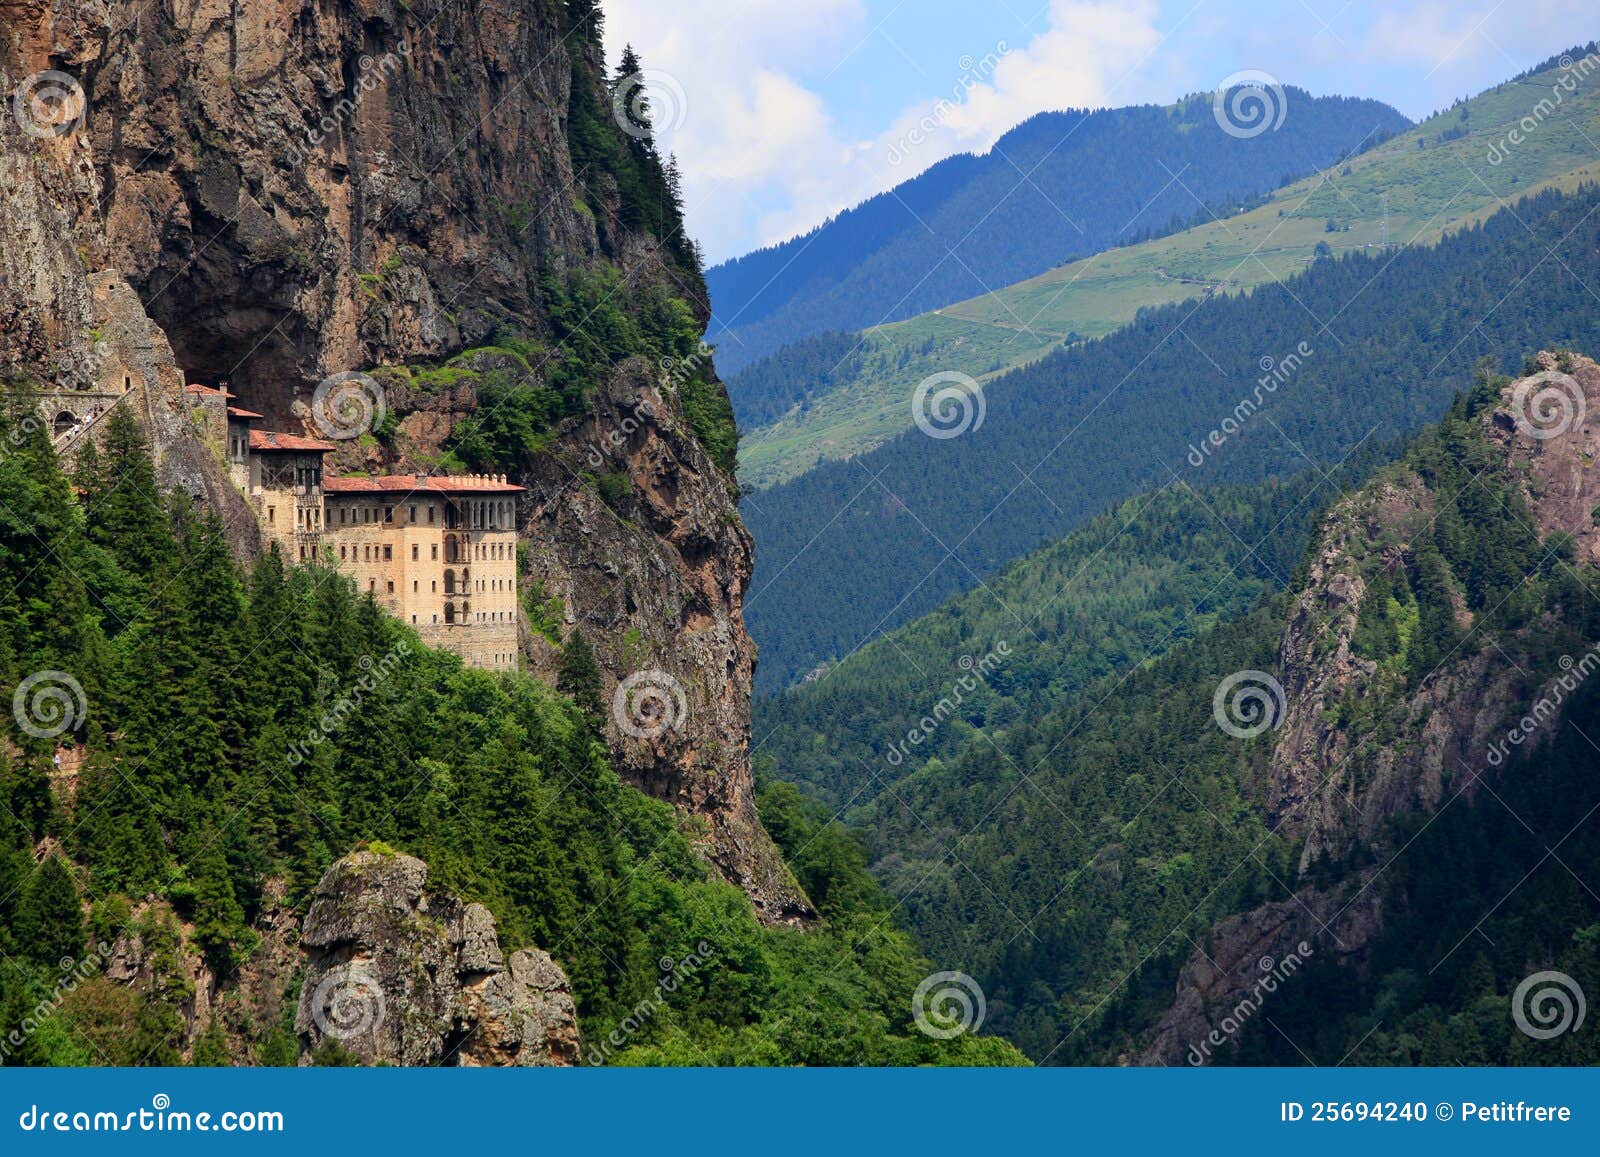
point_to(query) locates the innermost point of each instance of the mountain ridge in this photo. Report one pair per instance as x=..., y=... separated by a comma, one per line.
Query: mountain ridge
x=1449, y=172
x=861, y=267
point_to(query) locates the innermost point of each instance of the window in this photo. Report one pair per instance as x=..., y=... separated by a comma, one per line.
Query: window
x=372, y=585
x=414, y=549
x=388, y=552
x=272, y=515
x=391, y=587
x=341, y=552
x=413, y=515
x=435, y=552
x=430, y=516
x=415, y=586
x=388, y=514
x=434, y=587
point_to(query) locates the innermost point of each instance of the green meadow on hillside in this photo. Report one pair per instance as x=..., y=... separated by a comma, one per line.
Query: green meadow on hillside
x=1413, y=189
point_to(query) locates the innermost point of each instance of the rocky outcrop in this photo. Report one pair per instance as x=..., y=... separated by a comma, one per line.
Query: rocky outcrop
x=1548, y=426
x=1358, y=745
x=1339, y=786
x=396, y=975
x=1248, y=958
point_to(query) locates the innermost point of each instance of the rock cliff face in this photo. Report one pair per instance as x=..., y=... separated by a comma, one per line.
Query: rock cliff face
x=1337, y=785
x=270, y=193
x=398, y=976
x=72, y=328
x=1220, y=990
x=1358, y=745
x=655, y=575
x=302, y=189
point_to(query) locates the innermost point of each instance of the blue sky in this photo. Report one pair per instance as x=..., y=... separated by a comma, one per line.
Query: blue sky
x=783, y=112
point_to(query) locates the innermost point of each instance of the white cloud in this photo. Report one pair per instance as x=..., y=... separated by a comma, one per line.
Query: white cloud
x=762, y=157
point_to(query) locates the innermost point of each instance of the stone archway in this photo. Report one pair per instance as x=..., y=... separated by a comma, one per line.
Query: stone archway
x=64, y=422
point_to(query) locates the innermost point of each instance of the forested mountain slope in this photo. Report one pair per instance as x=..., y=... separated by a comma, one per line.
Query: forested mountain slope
x=1061, y=184
x=1358, y=349
x=201, y=791
x=1150, y=837
x=1147, y=576
x=1455, y=167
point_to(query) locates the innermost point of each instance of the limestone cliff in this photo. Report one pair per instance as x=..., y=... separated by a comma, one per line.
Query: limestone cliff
x=1362, y=740
x=272, y=193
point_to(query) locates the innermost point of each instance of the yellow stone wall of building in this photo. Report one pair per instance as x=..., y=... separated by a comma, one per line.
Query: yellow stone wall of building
x=445, y=564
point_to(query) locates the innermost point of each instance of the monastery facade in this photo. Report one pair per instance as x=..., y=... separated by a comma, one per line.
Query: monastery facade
x=437, y=551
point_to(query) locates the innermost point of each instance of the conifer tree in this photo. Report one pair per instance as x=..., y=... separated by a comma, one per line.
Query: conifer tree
x=49, y=921
x=220, y=928
x=125, y=510
x=578, y=675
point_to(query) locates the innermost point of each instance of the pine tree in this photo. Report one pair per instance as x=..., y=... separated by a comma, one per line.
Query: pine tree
x=586, y=18
x=49, y=922
x=578, y=675
x=126, y=512
x=220, y=928
x=630, y=85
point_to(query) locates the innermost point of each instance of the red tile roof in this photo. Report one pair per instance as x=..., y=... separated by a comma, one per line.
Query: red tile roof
x=206, y=391
x=238, y=412
x=412, y=483
x=267, y=441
